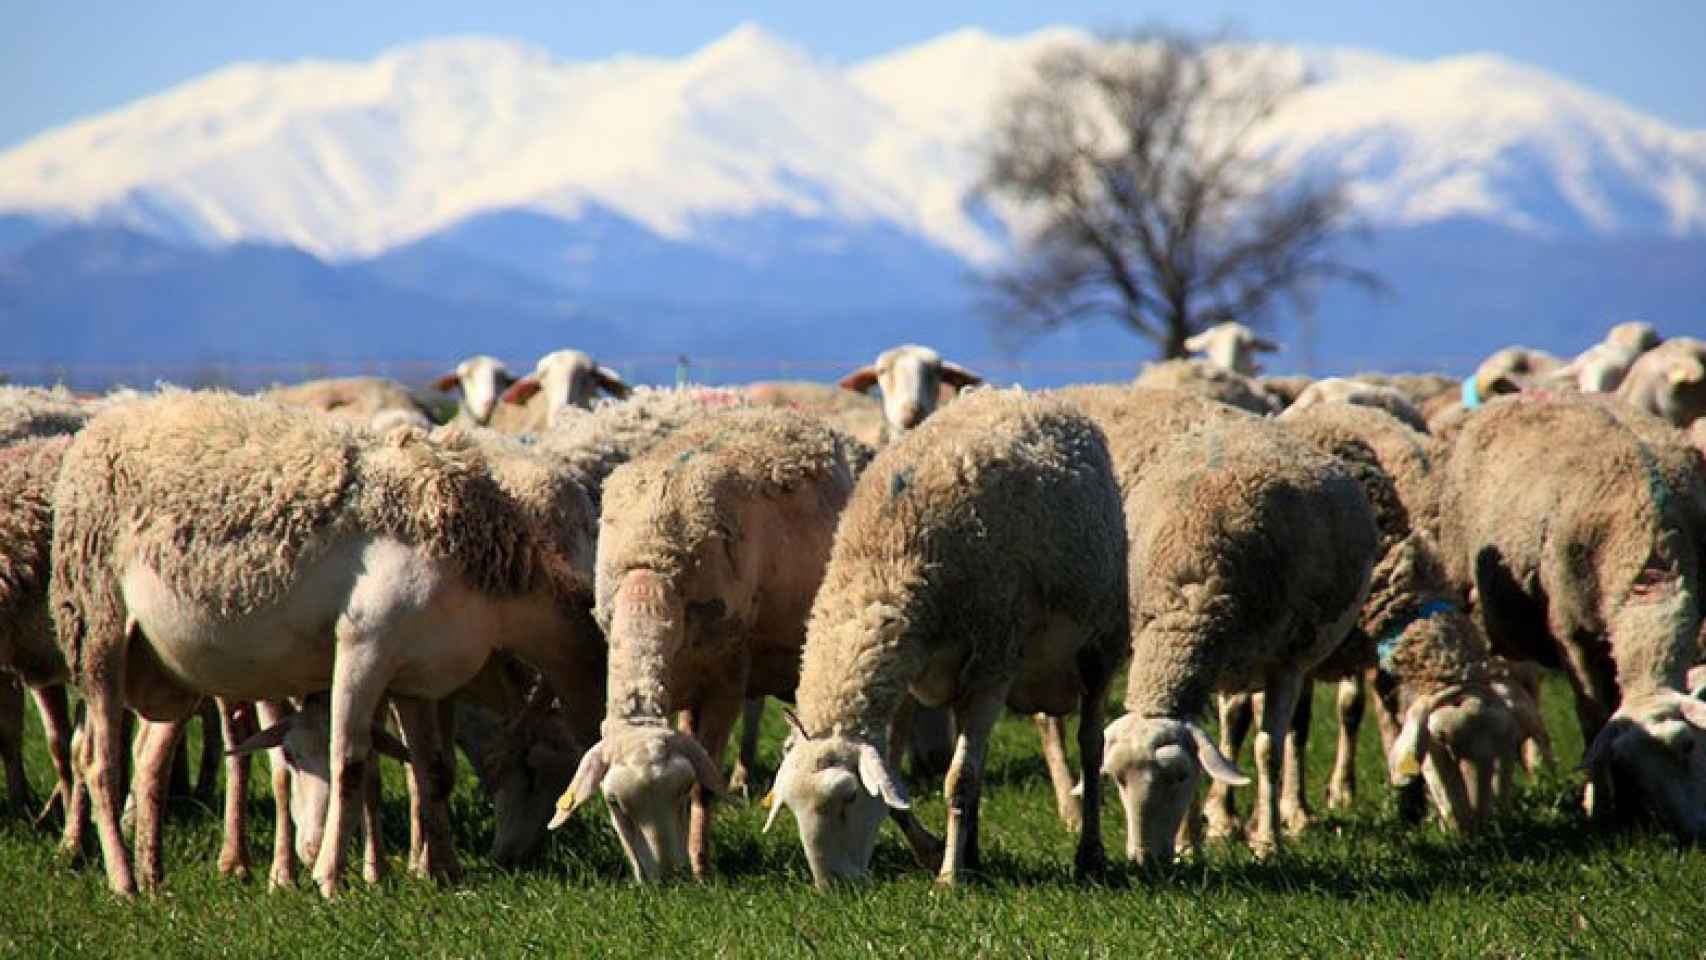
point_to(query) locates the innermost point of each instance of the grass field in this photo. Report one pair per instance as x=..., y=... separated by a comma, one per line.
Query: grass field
x=1540, y=884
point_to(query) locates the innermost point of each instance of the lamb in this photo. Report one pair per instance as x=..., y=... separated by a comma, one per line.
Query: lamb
x=978, y=563
x=206, y=543
x=710, y=549
x=356, y=399
x=855, y=414
x=1339, y=390
x=1233, y=389
x=568, y=379
x=1579, y=525
x=911, y=379
x=1602, y=367
x=1669, y=381
x=1250, y=556
x=1231, y=346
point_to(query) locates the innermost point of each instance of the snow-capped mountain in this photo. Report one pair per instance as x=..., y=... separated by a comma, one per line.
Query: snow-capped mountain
x=478, y=195
x=350, y=160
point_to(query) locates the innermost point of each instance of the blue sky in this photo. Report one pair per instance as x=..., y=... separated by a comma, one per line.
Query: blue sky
x=65, y=59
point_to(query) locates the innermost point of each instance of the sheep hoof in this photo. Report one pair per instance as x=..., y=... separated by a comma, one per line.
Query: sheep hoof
x=1223, y=829
x=1340, y=797
x=1264, y=847
x=234, y=867
x=1295, y=821
x=1089, y=867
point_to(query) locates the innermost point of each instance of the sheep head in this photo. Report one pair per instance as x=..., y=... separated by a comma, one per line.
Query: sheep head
x=910, y=378
x=646, y=773
x=305, y=738
x=1470, y=727
x=1231, y=346
x=1156, y=763
x=568, y=378
x=482, y=380
x=840, y=789
x=1654, y=747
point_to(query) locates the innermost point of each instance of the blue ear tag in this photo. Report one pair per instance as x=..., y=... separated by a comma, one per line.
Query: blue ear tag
x=1471, y=396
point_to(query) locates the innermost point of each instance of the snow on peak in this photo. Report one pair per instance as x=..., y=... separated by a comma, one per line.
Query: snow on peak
x=353, y=158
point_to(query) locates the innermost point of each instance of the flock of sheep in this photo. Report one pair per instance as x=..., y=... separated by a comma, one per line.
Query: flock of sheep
x=587, y=598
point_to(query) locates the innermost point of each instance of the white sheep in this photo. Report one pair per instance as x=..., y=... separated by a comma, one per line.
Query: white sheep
x=711, y=546
x=912, y=380
x=211, y=544
x=356, y=399
x=1602, y=367
x=1250, y=555
x=568, y=379
x=1231, y=346
x=978, y=564
x=1669, y=381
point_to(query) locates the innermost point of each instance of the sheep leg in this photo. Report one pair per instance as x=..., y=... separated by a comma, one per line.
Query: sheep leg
x=212, y=752
x=751, y=714
x=157, y=743
x=433, y=781
x=712, y=723
x=1294, y=793
x=1412, y=797
x=356, y=695
x=373, y=839
x=1220, y=813
x=54, y=706
x=1279, y=704
x=79, y=818
x=1451, y=796
x=962, y=789
x=18, y=794
x=1593, y=708
x=234, y=727
x=283, y=872
x=1091, y=859
x=178, y=787
x=931, y=741
x=1052, y=732
x=1342, y=787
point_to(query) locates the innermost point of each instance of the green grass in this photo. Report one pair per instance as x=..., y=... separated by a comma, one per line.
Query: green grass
x=1540, y=884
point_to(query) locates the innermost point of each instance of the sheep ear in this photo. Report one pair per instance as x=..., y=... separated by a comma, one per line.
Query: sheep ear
x=704, y=769
x=447, y=383
x=774, y=799
x=1602, y=744
x=522, y=390
x=1214, y=763
x=588, y=776
x=958, y=376
x=267, y=739
x=860, y=380
x=389, y=745
x=1410, y=747
x=1694, y=711
x=879, y=780
x=1263, y=345
x=612, y=383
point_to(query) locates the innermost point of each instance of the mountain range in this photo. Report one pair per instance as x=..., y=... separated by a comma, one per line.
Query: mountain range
x=751, y=203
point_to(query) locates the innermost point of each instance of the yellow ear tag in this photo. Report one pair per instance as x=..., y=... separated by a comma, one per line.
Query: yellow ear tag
x=1407, y=766
x=769, y=799
x=566, y=801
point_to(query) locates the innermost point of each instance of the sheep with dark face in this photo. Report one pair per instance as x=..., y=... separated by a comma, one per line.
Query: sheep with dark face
x=1579, y=524
x=979, y=564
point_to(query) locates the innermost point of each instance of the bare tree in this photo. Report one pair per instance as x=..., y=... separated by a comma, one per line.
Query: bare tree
x=1135, y=164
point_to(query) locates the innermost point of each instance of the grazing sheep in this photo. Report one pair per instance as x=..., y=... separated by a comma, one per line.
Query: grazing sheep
x=1231, y=346
x=357, y=399
x=29, y=469
x=1669, y=381
x=854, y=414
x=979, y=563
x=710, y=549
x=911, y=379
x=1339, y=390
x=1580, y=526
x=206, y=543
x=568, y=379
x=38, y=412
x=1602, y=367
x=1216, y=383
x=1250, y=555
